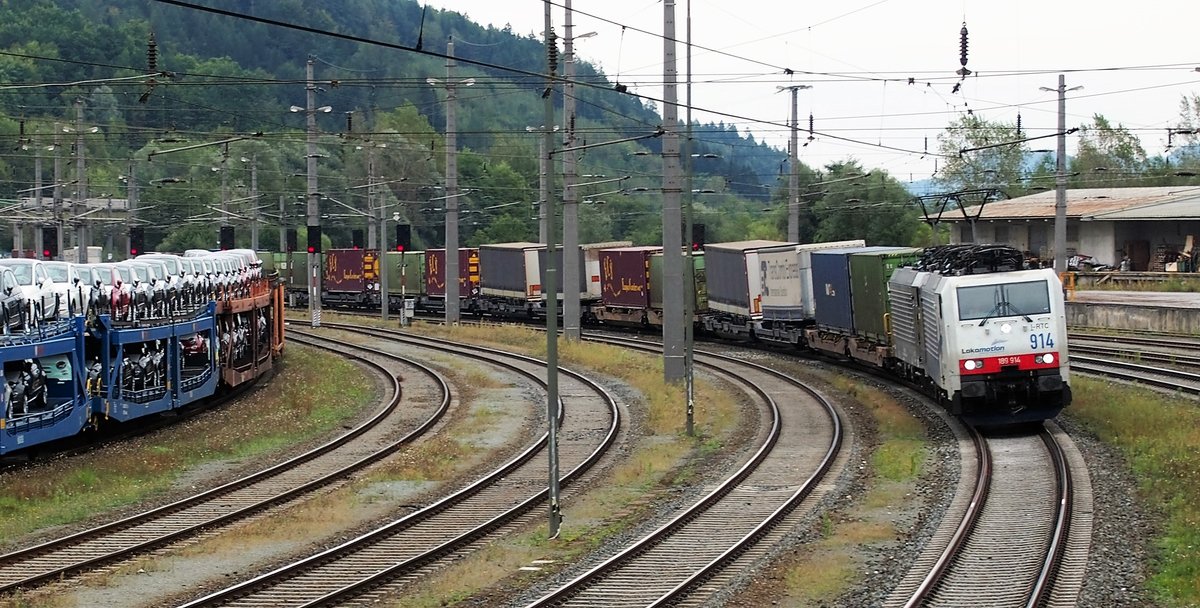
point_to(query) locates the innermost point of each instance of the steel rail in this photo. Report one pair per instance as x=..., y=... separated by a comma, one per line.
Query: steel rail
x=381, y=576
x=16, y=558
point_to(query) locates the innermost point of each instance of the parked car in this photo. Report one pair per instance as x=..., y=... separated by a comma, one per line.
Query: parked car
x=194, y=275
x=68, y=287
x=12, y=302
x=25, y=385
x=88, y=275
x=148, y=293
x=116, y=289
x=167, y=278
x=179, y=278
x=36, y=285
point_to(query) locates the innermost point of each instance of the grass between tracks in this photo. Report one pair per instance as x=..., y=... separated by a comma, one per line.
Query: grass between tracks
x=312, y=393
x=828, y=567
x=1160, y=437
x=662, y=458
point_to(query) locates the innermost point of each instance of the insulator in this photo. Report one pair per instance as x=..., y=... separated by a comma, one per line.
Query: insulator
x=962, y=45
x=552, y=50
x=1018, y=125
x=152, y=54
x=810, y=125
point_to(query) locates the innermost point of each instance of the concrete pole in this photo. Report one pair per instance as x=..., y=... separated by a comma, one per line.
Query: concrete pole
x=81, y=185
x=57, y=193
x=1060, y=182
x=282, y=225
x=225, y=186
x=673, y=339
x=314, y=208
x=543, y=187
x=38, y=246
x=452, y=313
x=254, y=202
x=571, y=270
x=371, y=239
x=550, y=290
x=689, y=264
x=132, y=197
x=383, y=247
x=794, y=178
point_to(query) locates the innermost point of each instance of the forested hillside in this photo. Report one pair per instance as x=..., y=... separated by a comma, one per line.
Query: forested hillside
x=135, y=80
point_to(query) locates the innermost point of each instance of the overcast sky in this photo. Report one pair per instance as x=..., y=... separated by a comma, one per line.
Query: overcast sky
x=1134, y=60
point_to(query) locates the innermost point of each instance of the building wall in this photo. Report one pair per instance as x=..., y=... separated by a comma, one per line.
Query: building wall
x=1098, y=239
x=1033, y=236
x=1105, y=241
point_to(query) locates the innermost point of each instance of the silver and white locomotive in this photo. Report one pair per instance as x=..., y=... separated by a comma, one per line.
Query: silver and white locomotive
x=988, y=338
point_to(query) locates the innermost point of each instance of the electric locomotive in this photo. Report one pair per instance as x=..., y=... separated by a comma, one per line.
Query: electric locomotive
x=986, y=336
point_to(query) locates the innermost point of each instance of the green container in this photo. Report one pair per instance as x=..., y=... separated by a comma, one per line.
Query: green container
x=295, y=274
x=869, y=274
x=656, y=282
x=270, y=263
x=414, y=273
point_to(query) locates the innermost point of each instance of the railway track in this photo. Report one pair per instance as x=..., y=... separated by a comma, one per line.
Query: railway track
x=1017, y=535
x=1158, y=362
x=375, y=564
x=689, y=558
x=365, y=444
x=1169, y=379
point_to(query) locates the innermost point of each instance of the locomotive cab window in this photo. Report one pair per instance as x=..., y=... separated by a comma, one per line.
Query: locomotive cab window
x=1003, y=300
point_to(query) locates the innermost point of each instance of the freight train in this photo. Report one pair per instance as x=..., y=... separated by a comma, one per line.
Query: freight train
x=968, y=324
x=218, y=325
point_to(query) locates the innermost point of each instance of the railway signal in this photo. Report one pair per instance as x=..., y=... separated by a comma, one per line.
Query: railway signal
x=314, y=239
x=49, y=242
x=291, y=240
x=356, y=239
x=697, y=237
x=137, y=238
x=226, y=238
x=403, y=237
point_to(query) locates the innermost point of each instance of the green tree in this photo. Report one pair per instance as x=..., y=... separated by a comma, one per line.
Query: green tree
x=999, y=166
x=876, y=208
x=1107, y=156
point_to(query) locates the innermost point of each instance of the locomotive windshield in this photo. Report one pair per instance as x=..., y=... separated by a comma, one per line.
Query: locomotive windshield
x=1003, y=300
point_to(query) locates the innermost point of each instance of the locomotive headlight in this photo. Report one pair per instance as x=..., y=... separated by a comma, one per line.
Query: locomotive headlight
x=1047, y=358
x=1005, y=328
x=970, y=365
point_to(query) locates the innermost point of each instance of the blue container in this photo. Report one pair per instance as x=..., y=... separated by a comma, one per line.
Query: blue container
x=831, y=288
x=832, y=291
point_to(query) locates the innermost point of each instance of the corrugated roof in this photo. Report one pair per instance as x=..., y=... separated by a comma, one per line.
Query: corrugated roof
x=1177, y=202
x=605, y=245
x=1187, y=208
x=635, y=248
x=513, y=245
x=745, y=245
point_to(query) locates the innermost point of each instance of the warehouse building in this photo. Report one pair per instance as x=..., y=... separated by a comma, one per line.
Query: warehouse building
x=1154, y=226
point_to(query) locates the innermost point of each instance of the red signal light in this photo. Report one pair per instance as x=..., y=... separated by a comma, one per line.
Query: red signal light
x=133, y=251
x=400, y=248
x=312, y=249
x=46, y=253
